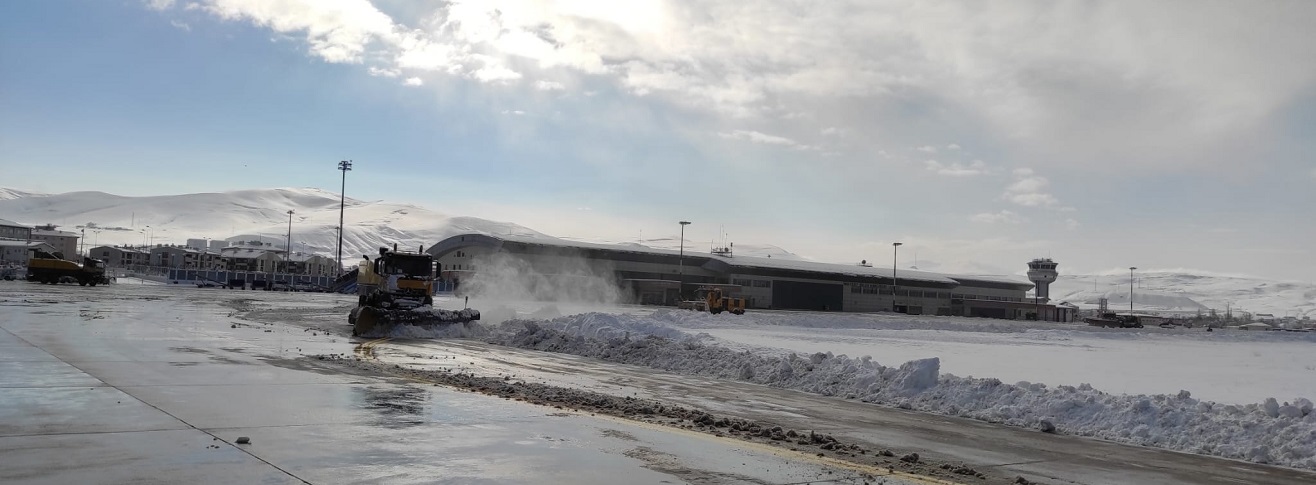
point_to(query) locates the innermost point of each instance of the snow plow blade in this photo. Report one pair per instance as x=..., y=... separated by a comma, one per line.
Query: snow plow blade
x=377, y=322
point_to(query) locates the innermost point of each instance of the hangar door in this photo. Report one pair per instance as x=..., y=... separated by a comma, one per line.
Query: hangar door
x=797, y=295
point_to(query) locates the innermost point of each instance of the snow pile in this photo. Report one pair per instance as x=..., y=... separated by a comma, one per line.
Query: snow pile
x=1267, y=432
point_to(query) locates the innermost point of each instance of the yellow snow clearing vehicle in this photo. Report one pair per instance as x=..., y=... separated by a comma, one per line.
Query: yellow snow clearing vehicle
x=710, y=299
x=51, y=269
x=397, y=288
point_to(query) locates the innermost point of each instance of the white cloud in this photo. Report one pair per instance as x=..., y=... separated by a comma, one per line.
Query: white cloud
x=516, y=112
x=159, y=5
x=927, y=149
x=549, y=86
x=384, y=72
x=1071, y=224
x=1106, y=84
x=496, y=74
x=952, y=146
x=1030, y=190
x=763, y=138
x=1002, y=217
x=181, y=25
x=336, y=31
x=956, y=169
x=413, y=81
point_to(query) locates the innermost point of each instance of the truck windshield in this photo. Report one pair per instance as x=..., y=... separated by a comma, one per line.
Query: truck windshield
x=412, y=265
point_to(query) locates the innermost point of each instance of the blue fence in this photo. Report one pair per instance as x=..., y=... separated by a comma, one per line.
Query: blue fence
x=249, y=278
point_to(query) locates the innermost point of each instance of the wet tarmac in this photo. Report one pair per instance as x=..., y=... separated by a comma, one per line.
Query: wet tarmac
x=150, y=384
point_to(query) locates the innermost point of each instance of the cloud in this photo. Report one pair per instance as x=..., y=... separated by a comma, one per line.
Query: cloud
x=1072, y=224
x=159, y=5
x=927, y=149
x=1002, y=217
x=516, y=112
x=956, y=169
x=181, y=25
x=384, y=72
x=549, y=86
x=1094, y=85
x=496, y=74
x=1030, y=190
x=1313, y=173
x=952, y=146
x=335, y=31
x=413, y=81
x=764, y=138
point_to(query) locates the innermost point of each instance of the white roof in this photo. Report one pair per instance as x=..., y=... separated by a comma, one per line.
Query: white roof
x=45, y=232
x=11, y=243
x=771, y=263
x=7, y=222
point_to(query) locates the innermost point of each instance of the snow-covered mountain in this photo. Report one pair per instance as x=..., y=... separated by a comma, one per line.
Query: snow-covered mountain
x=263, y=215
x=245, y=215
x=1188, y=291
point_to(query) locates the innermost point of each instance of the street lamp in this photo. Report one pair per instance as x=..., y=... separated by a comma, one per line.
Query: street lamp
x=345, y=166
x=1131, y=268
x=287, y=259
x=680, y=262
x=895, y=286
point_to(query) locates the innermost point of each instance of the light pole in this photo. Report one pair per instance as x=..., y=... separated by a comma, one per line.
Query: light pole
x=680, y=262
x=345, y=166
x=1131, y=268
x=895, y=285
x=287, y=259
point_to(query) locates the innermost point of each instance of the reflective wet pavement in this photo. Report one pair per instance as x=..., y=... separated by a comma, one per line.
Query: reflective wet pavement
x=141, y=384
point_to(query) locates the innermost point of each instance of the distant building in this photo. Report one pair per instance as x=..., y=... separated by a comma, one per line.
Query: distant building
x=217, y=245
x=663, y=277
x=312, y=265
x=18, y=252
x=14, y=231
x=64, y=242
x=196, y=243
x=120, y=257
x=175, y=257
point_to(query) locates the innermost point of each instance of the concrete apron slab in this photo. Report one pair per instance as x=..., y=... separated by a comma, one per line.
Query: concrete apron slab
x=180, y=380
x=175, y=456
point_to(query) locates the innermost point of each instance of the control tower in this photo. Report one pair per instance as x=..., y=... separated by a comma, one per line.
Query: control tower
x=1042, y=272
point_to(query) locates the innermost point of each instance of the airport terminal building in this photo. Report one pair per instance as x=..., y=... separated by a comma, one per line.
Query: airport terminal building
x=653, y=276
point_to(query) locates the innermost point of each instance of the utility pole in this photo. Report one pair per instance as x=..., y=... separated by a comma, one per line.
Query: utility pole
x=345, y=166
x=1131, y=268
x=287, y=260
x=895, y=285
x=680, y=263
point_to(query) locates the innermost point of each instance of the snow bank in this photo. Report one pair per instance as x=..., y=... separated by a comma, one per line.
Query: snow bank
x=1267, y=432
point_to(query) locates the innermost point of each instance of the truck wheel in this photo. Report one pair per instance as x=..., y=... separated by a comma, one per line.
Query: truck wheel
x=82, y=282
x=92, y=283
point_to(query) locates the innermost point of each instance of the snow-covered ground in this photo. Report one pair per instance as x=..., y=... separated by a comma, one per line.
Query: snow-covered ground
x=1228, y=393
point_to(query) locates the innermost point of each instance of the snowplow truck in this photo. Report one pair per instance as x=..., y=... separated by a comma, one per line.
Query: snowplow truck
x=713, y=301
x=51, y=269
x=397, y=288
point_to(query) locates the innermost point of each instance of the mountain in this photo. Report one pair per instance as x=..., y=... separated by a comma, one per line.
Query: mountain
x=1188, y=291
x=263, y=215
x=245, y=215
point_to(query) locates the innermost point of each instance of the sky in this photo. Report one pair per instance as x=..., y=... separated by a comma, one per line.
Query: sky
x=1168, y=134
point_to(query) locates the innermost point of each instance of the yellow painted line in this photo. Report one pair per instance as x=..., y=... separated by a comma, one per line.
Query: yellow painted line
x=366, y=350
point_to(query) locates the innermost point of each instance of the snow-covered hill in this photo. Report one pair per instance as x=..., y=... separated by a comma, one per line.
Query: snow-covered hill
x=245, y=215
x=263, y=215
x=1188, y=291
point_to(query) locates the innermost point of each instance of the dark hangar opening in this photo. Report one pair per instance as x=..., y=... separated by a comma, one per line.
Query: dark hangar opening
x=798, y=295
